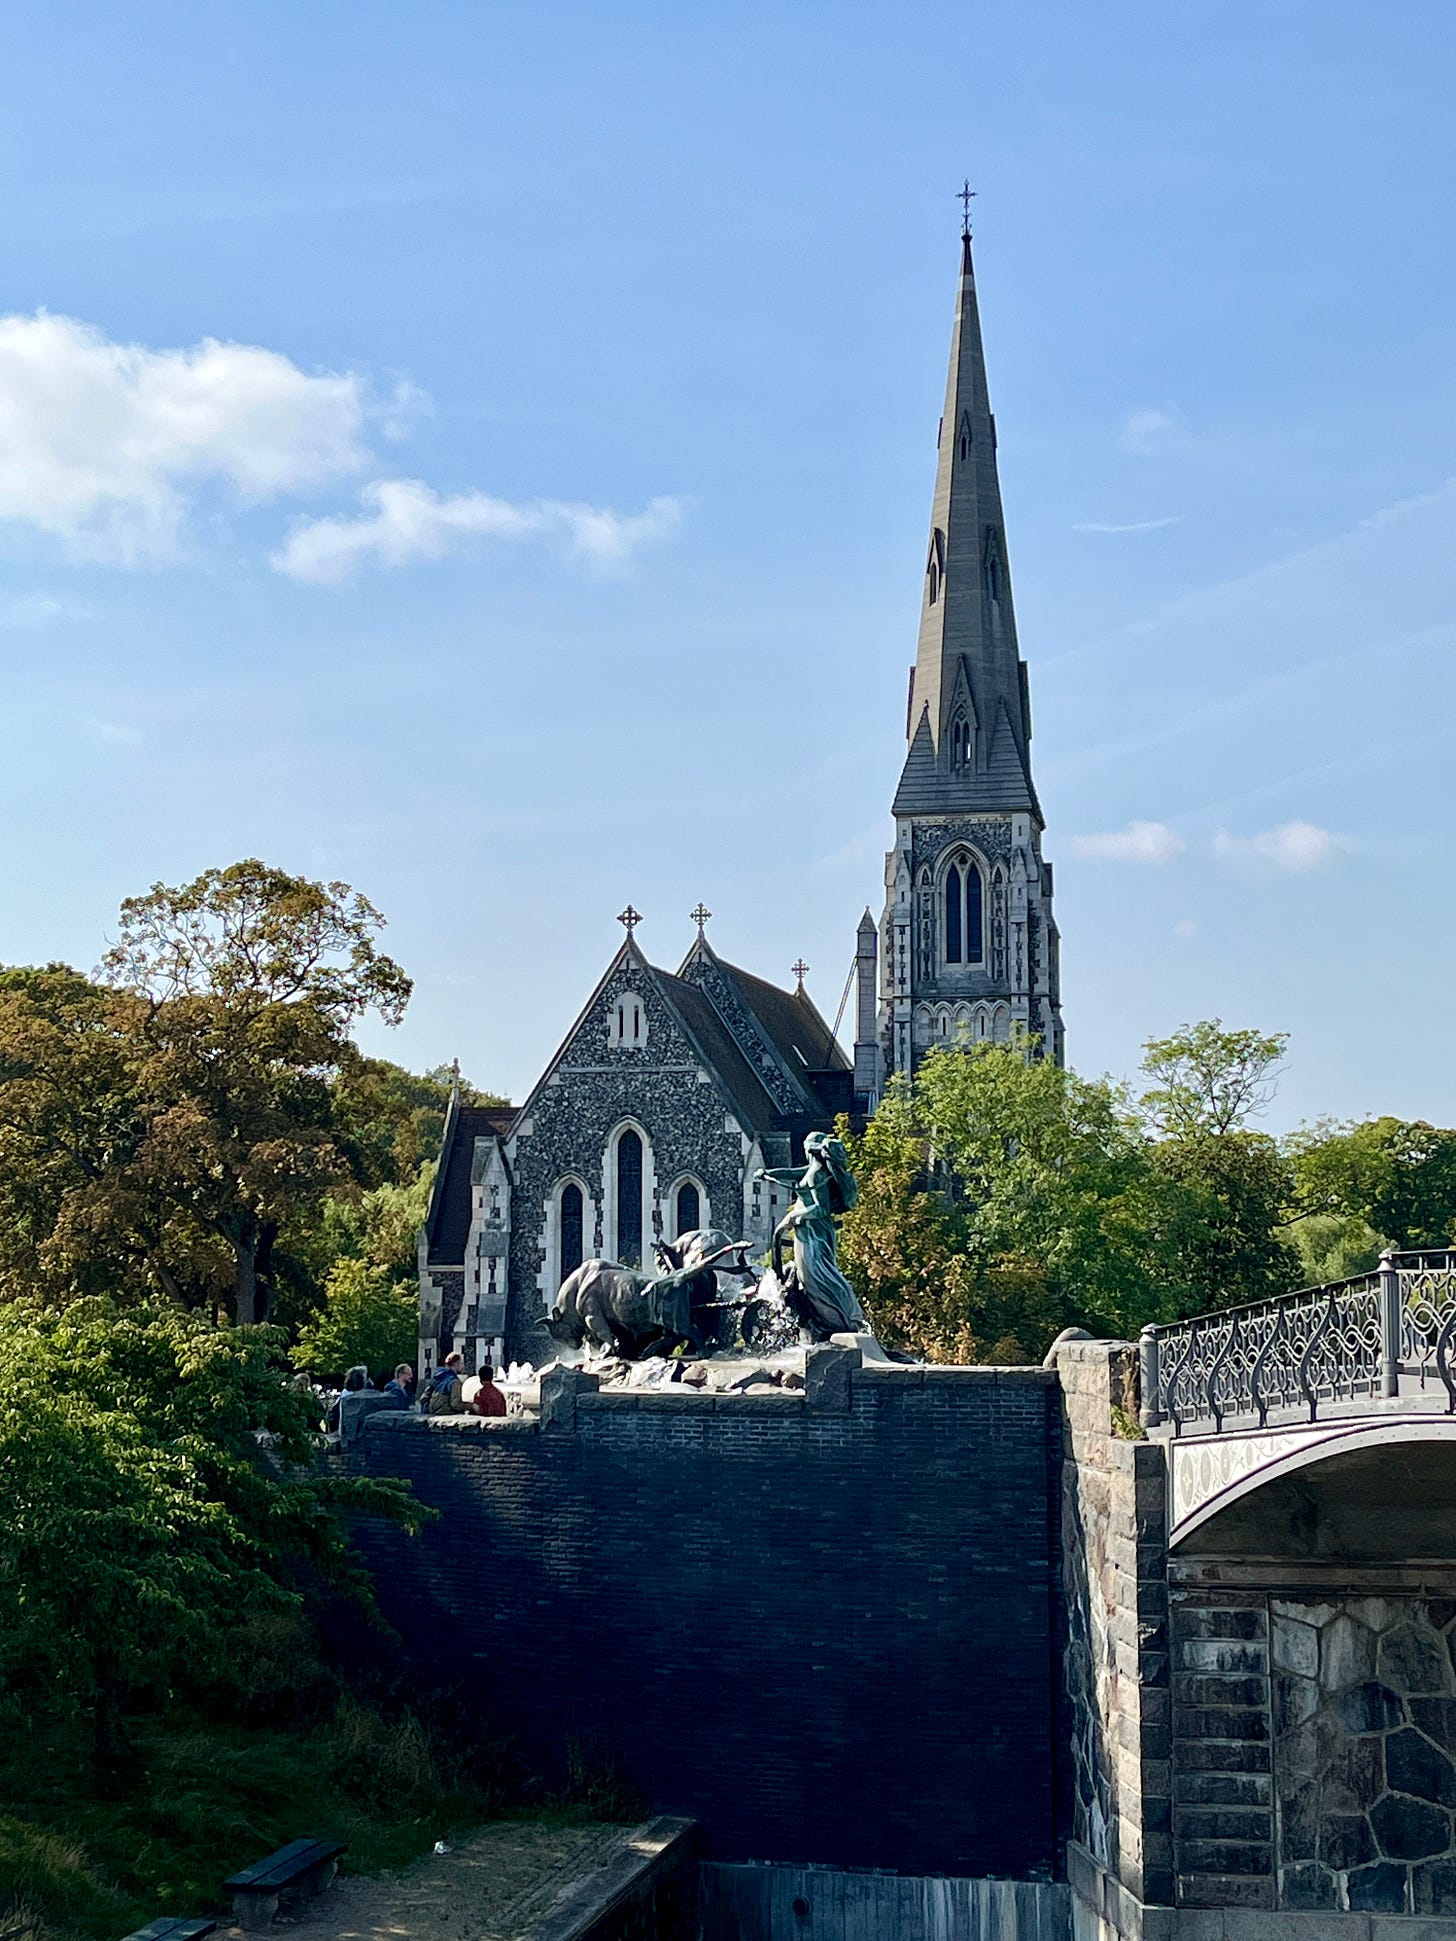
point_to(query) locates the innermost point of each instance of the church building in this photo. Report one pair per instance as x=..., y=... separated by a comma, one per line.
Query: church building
x=673, y=1090
x=968, y=943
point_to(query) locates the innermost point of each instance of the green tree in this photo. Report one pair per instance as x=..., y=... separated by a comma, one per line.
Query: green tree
x=390, y=1121
x=1230, y=1242
x=1208, y=1079
x=250, y=981
x=141, y=1525
x=1397, y=1177
x=366, y=1319
x=1002, y=1199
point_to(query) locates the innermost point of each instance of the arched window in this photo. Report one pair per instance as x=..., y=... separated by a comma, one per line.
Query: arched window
x=570, y=1230
x=960, y=742
x=627, y=1021
x=629, y=1199
x=954, y=915
x=689, y=1208
x=964, y=914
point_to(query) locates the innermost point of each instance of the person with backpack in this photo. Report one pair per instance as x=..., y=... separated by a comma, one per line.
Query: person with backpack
x=446, y=1393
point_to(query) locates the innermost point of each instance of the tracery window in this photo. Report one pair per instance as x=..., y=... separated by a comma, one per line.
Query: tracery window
x=629, y=1199
x=960, y=742
x=963, y=899
x=569, y=1247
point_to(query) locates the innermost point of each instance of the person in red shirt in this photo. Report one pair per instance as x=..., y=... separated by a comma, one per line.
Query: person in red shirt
x=488, y=1398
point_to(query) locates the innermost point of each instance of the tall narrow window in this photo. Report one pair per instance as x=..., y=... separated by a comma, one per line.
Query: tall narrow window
x=960, y=742
x=688, y=1208
x=629, y=1199
x=570, y=1245
x=953, y=915
x=974, y=928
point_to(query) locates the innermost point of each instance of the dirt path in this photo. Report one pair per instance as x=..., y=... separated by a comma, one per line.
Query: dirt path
x=490, y=1887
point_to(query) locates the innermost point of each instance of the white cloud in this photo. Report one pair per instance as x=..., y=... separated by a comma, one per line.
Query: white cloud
x=1139, y=842
x=1151, y=430
x=101, y=444
x=406, y=520
x=39, y=610
x=114, y=731
x=1186, y=931
x=1137, y=525
x=1296, y=846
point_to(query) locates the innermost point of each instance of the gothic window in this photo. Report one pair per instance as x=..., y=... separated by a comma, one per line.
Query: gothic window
x=960, y=742
x=629, y=1199
x=965, y=436
x=627, y=1021
x=964, y=924
x=954, y=915
x=935, y=565
x=689, y=1208
x=570, y=1230
x=998, y=922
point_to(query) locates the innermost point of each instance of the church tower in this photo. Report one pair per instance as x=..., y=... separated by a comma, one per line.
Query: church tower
x=968, y=943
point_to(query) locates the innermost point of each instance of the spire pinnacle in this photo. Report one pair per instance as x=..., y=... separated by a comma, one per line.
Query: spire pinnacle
x=964, y=196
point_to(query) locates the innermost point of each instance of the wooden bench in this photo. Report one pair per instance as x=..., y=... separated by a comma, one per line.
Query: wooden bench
x=302, y=1867
x=173, y=1930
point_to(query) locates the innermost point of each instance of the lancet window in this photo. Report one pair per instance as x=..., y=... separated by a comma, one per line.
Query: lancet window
x=962, y=895
x=629, y=1199
x=569, y=1229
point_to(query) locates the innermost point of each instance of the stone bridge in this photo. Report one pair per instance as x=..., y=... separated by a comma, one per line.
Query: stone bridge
x=1261, y=1599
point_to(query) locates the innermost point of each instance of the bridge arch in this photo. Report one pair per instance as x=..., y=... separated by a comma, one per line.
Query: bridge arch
x=1367, y=1491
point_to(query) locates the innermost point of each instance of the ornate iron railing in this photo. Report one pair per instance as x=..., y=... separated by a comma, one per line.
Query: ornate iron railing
x=1388, y=1333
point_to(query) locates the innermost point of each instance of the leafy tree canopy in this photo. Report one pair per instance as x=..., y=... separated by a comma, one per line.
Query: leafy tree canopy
x=1394, y=1176
x=366, y=1319
x=1208, y=1079
x=141, y=1524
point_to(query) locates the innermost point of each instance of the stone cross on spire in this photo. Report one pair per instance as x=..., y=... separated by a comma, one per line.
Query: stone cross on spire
x=700, y=917
x=801, y=971
x=629, y=919
x=964, y=197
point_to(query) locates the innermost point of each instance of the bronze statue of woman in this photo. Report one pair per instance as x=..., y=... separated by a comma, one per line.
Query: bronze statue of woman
x=823, y=1189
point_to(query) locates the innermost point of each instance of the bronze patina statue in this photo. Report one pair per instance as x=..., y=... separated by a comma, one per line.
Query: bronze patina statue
x=813, y=1285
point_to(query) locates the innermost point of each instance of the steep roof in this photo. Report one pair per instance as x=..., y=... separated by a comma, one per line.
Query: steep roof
x=706, y=1029
x=967, y=661
x=449, y=1216
x=793, y=1022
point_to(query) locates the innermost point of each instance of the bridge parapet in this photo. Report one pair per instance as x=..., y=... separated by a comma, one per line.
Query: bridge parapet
x=1350, y=1347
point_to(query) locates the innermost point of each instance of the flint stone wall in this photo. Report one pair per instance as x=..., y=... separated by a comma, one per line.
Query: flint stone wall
x=824, y=1625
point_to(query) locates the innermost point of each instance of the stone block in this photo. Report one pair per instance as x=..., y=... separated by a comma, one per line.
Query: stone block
x=1223, y=1789
x=1218, y=1654
x=1225, y=1858
x=560, y=1388
x=1226, y=1890
x=1241, y=1823
x=1223, y=1688
x=828, y=1376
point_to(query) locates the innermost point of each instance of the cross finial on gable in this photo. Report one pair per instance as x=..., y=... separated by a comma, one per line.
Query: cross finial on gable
x=700, y=917
x=629, y=919
x=801, y=971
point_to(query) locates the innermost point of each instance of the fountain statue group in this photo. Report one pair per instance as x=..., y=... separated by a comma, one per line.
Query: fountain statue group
x=605, y=1305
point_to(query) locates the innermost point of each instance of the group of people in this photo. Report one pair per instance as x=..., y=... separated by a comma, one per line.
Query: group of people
x=444, y=1394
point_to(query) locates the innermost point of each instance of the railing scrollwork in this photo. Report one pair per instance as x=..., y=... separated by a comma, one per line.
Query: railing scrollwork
x=1377, y=1335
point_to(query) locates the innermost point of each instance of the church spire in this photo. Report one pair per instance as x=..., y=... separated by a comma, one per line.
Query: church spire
x=968, y=721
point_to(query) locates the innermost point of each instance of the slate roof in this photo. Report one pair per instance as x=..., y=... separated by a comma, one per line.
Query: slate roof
x=449, y=1217
x=928, y=787
x=798, y=1033
x=729, y=1065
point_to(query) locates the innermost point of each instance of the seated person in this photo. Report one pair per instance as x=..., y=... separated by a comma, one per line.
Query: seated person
x=488, y=1398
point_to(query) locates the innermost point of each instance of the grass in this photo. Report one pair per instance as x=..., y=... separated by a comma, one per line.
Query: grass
x=206, y=1799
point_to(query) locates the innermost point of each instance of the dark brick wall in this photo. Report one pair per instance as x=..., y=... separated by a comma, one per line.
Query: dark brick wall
x=821, y=1624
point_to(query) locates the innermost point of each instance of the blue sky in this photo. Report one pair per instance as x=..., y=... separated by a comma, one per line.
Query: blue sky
x=484, y=453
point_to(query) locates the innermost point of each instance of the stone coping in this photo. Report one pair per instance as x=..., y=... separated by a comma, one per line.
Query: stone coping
x=623, y=1873
x=1123, y=1917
